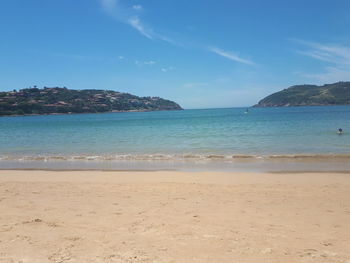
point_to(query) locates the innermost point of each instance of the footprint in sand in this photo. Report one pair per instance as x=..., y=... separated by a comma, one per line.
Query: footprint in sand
x=310, y=252
x=327, y=244
x=61, y=255
x=37, y=220
x=53, y=224
x=266, y=251
x=75, y=238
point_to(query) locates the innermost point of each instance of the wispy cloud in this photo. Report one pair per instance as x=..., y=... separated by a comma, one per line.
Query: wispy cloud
x=131, y=17
x=137, y=7
x=136, y=23
x=325, y=52
x=191, y=85
x=230, y=56
x=145, y=63
x=108, y=4
x=335, y=56
x=167, y=69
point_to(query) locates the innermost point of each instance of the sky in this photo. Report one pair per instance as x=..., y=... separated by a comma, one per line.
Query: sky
x=199, y=53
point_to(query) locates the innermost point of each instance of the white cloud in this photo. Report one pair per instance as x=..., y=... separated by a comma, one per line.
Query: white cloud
x=169, y=40
x=151, y=62
x=120, y=57
x=325, y=52
x=136, y=23
x=336, y=56
x=230, y=56
x=167, y=69
x=145, y=63
x=130, y=16
x=127, y=16
x=109, y=5
x=137, y=7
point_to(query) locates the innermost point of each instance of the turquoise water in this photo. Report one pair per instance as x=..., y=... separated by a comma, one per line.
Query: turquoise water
x=211, y=133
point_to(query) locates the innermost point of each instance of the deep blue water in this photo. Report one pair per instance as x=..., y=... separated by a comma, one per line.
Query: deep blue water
x=262, y=131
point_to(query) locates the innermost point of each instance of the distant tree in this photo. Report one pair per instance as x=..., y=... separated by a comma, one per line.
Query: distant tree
x=63, y=100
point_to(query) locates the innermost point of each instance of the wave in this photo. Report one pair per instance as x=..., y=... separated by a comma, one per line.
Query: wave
x=172, y=157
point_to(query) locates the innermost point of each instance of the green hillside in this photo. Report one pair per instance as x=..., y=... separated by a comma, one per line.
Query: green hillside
x=62, y=100
x=303, y=95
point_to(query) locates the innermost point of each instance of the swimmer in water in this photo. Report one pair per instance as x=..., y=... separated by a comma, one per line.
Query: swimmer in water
x=340, y=131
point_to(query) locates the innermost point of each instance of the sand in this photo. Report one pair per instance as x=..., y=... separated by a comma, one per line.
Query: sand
x=80, y=216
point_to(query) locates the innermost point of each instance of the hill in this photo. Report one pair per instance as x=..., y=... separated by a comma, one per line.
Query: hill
x=62, y=100
x=309, y=95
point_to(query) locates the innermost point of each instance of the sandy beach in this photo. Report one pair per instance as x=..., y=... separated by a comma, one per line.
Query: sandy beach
x=167, y=216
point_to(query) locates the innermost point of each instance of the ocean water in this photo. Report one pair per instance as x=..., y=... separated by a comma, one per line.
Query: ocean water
x=168, y=135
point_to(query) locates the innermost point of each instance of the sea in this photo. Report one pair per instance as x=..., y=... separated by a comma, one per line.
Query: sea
x=239, y=139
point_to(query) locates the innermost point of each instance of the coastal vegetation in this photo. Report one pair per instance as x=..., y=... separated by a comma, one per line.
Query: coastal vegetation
x=309, y=95
x=58, y=100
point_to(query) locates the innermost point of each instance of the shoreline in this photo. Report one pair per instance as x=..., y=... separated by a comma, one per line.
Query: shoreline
x=176, y=171
x=186, y=163
x=176, y=157
x=75, y=113
x=171, y=216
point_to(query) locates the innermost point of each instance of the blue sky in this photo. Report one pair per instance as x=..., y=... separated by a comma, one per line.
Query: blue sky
x=205, y=53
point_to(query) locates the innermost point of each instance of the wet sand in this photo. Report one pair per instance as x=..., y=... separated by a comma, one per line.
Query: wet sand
x=91, y=216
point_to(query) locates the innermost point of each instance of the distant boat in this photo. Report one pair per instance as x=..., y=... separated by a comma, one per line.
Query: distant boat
x=246, y=111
